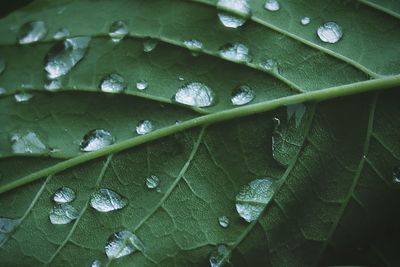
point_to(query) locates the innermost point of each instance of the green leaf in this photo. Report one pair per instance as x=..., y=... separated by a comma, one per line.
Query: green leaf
x=333, y=158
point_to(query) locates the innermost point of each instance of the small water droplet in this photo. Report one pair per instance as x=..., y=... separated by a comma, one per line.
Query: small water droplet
x=96, y=263
x=253, y=198
x=195, y=94
x=64, y=195
x=149, y=45
x=396, y=175
x=31, y=32
x=2, y=65
x=96, y=139
x=236, y=52
x=22, y=97
x=118, y=30
x=270, y=65
x=123, y=243
x=242, y=95
x=223, y=221
x=194, y=45
x=144, y=127
x=218, y=256
x=106, y=200
x=330, y=32
x=113, y=83
x=27, y=142
x=181, y=78
x=61, y=34
x=7, y=227
x=305, y=21
x=272, y=5
x=231, y=21
x=53, y=85
x=63, y=213
x=152, y=182
x=63, y=56
x=141, y=85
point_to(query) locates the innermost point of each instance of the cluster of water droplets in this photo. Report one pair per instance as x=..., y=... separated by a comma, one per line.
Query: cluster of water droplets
x=63, y=212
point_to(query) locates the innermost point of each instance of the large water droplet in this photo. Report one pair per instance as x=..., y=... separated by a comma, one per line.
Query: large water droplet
x=223, y=221
x=149, y=45
x=330, y=32
x=22, y=97
x=106, y=200
x=123, y=243
x=231, y=21
x=144, y=127
x=7, y=227
x=96, y=263
x=234, y=12
x=118, y=30
x=53, y=85
x=113, y=83
x=242, y=95
x=27, y=142
x=152, y=182
x=396, y=175
x=64, y=195
x=31, y=32
x=218, y=256
x=96, y=139
x=253, y=198
x=305, y=21
x=194, y=45
x=63, y=213
x=236, y=52
x=272, y=5
x=61, y=34
x=141, y=85
x=195, y=94
x=63, y=56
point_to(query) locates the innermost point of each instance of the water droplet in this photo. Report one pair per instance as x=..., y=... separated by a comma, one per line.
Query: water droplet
x=63, y=56
x=181, y=78
x=270, y=65
x=61, y=34
x=242, y=95
x=113, y=83
x=149, y=45
x=31, y=32
x=272, y=5
x=106, y=200
x=253, y=198
x=330, y=32
x=64, y=195
x=305, y=21
x=144, y=127
x=141, y=85
x=22, y=97
x=152, y=182
x=195, y=94
x=96, y=139
x=27, y=142
x=231, y=21
x=396, y=175
x=2, y=91
x=2, y=65
x=223, y=221
x=236, y=52
x=194, y=45
x=7, y=227
x=96, y=263
x=52, y=85
x=122, y=243
x=234, y=13
x=218, y=256
x=118, y=30
x=63, y=213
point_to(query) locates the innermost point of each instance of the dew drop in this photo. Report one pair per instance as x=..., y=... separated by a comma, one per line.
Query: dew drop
x=63, y=213
x=96, y=139
x=96, y=263
x=52, y=85
x=330, y=32
x=305, y=21
x=218, y=256
x=272, y=5
x=141, y=85
x=22, y=97
x=123, y=243
x=195, y=94
x=32, y=32
x=27, y=142
x=234, y=13
x=396, y=175
x=149, y=45
x=144, y=127
x=270, y=65
x=152, y=182
x=181, y=78
x=64, y=195
x=61, y=34
x=7, y=227
x=113, y=83
x=223, y=221
x=231, y=21
x=194, y=45
x=118, y=30
x=242, y=95
x=106, y=200
x=253, y=198
x=63, y=56
x=236, y=52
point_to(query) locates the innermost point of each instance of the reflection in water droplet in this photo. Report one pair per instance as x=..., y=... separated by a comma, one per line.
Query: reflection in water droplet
x=195, y=94
x=330, y=32
x=64, y=195
x=22, y=97
x=194, y=45
x=152, y=182
x=63, y=56
x=223, y=221
x=242, y=95
x=272, y=5
x=53, y=85
x=7, y=227
x=149, y=45
x=96, y=263
x=123, y=243
x=253, y=198
x=231, y=21
x=106, y=200
x=118, y=30
x=27, y=142
x=96, y=139
x=236, y=52
x=61, y=34
x=144, y=127
x=113, y=83
x=141, y=85
x=63, y=213
x=31, y=32
x=218, y=256
x=305, y=20
x=396, y=175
